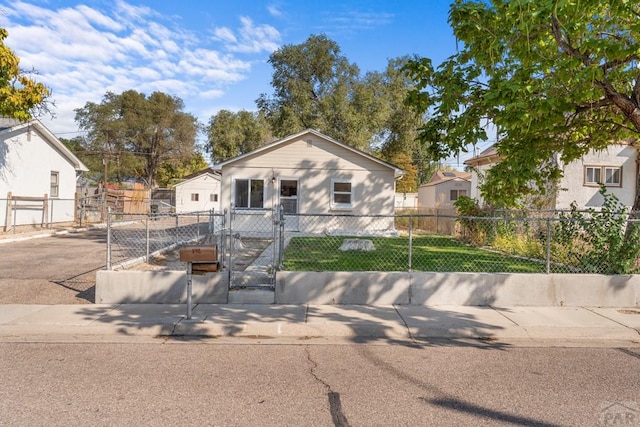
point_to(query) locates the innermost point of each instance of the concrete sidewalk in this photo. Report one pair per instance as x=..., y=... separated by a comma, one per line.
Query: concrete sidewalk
x=305, y=322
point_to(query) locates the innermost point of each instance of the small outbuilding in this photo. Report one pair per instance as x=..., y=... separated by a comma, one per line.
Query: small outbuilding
x=444, y=188
x=199, y=191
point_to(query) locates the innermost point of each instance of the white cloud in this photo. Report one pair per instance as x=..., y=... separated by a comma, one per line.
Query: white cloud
x=211, y=94
x=251, y=38
x=83, y=51
x=225, y=34
x=274, y=10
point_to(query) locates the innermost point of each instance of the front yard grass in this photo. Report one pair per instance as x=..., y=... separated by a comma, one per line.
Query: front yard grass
x=429, y=253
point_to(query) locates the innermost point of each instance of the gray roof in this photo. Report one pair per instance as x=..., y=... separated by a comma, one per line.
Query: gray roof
x=8, y=122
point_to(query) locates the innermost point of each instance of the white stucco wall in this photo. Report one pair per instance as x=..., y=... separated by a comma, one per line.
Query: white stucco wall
x=26, y=163
x=315, y=162
x=204, y=185
x=573, y=188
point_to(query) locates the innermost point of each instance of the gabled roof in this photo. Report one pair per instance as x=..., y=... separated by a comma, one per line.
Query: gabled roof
x=487, y=156
x=443, y=176
x=205, y=172
x=201, y=172
x=397, y=172
x=8, y=125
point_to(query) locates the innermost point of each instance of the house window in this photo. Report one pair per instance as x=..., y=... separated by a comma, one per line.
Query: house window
x=455, y=194
x=607, y=175
x=213, y=197
x=341, y=194
x=55, y=184
x=195, y=197
x=612, y=176
x=249, y=193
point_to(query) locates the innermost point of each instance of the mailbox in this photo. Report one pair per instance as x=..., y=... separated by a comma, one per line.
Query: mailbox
x=203, y=259
x=198, y=254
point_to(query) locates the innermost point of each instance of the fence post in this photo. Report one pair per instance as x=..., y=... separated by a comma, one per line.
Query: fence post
x=176, y=228
x=198, y=227
x=410, y=240
x=109, y=239
x=223, y=238
x=147, y=239
x=281, y=242
x=548, y=248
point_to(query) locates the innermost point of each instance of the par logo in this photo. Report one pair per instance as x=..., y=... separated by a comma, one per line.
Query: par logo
x=619, y=414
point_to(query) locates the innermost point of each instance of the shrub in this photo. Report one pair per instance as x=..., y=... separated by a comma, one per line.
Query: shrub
x=600, y=241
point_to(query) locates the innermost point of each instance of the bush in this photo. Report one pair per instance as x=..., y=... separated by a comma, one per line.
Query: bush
x=476, y=230
x=600, y=241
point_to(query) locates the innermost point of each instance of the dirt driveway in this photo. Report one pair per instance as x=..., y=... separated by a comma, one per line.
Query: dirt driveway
x=60, y=269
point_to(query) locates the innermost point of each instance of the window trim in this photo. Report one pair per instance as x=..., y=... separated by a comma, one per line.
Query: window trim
x=195, y=197
x=249, y=182
x=602, y=171
x=341, y=206
x=457, y=190
x=213, y=197
x=55, y=185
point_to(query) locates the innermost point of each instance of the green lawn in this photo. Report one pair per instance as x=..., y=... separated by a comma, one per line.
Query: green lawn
x=429, y=253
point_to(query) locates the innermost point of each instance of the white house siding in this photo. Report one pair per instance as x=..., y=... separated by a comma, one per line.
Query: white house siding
x=572, y=187
x=477, y=178
x=204, y=186
x=26, y=163
x=314, y=164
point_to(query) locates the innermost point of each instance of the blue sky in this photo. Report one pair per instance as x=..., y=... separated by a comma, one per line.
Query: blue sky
x=212, y=54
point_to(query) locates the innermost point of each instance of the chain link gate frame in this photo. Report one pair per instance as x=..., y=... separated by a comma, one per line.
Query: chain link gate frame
x=255, y=247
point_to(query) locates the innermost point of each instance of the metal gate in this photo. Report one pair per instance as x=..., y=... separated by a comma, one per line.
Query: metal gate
x=254, y=246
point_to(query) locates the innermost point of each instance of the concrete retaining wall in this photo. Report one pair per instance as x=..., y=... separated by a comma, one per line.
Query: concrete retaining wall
x=475, y=289
x=382, y=288
x=159, y=287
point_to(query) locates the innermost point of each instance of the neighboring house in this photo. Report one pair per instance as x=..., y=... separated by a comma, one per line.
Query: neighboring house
x=443, y=189
x=615, y=167
x=311, y=173
x=33, y=162
x=199, y=191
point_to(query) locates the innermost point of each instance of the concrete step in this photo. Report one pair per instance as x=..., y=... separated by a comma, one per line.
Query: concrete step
x=252, y=296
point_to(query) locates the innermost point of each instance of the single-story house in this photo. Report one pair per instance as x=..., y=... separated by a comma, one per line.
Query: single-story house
x=443, y=189
x=615, y=167
x=199, y=191
x=34, y=164
x=310, y=173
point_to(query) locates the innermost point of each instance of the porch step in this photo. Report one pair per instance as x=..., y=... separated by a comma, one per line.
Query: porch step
x=252, y=296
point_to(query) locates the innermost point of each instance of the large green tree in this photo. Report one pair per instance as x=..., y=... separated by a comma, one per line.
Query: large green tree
x=554, y=77
x=20, y=96
x=232, y=134
x=315, y=86
x=145, y=131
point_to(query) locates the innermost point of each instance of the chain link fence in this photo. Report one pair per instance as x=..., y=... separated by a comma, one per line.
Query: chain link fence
x=449, y=243
x=253, y=245
x=137, y=237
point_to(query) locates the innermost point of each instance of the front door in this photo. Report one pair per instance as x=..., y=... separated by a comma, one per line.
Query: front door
x=289, y=203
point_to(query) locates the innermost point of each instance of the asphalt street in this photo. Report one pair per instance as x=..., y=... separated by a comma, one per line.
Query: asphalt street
x=59, y=269
x=171, y=382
